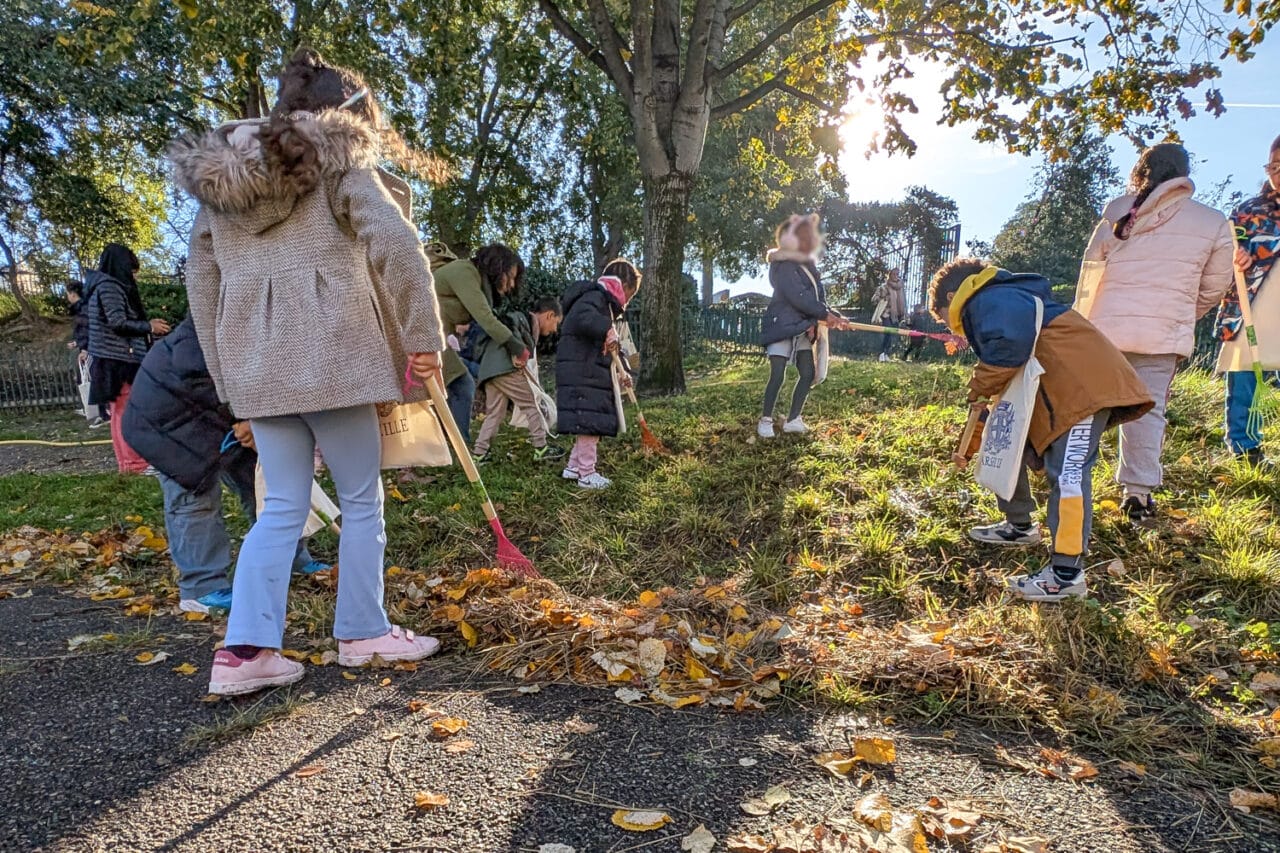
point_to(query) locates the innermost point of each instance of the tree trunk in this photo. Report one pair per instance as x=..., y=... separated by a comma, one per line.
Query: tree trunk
x=666, y=211
x=25, y=308
x=708, y=278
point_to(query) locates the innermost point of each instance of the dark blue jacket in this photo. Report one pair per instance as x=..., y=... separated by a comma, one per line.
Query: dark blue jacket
x=1000, y=319
x=584, y=380
x=174, y=419
x=796, y=305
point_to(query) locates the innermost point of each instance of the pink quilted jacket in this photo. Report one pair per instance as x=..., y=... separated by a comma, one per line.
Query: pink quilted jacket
x=1173, y=269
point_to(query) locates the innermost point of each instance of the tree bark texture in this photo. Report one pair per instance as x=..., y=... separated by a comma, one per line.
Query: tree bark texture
x=665, y=220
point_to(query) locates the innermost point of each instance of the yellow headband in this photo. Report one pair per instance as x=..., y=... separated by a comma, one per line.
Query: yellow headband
x=966, y=289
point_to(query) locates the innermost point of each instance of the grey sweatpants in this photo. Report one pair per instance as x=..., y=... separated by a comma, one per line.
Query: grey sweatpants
x=1068, y=464
x=1142, y=440
x=498, y=391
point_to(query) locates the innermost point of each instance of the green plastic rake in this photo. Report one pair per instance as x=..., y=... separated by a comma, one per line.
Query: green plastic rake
x=1265, y=406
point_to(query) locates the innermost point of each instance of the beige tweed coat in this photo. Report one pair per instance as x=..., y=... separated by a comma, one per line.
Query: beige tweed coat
x=304, y=302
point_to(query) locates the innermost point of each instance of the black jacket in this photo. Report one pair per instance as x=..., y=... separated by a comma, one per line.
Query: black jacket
x=584, y=379
x=80, y=326
x=174, y=419
x=797, y=303
x=118, y=325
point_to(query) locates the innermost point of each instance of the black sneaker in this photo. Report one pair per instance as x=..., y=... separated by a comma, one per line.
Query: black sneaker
x=1137, y=510
x=550, y=453
x=1253, y=457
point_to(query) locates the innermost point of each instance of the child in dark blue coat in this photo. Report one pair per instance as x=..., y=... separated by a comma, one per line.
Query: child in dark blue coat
x=585, y=402
x=790, y=324
x=175, y=421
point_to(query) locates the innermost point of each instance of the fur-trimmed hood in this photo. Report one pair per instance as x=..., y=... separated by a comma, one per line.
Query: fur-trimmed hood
x=225, y=170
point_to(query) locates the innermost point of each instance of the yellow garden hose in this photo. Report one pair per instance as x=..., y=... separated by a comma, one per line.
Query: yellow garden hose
x=56, y=443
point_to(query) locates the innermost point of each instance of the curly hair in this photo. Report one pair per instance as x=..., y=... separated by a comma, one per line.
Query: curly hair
x=1157, y=164
x=626, y=272
x=946, y=281
x=308, y=84
x=493, y=261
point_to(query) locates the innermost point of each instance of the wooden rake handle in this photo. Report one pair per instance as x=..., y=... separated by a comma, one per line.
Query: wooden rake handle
x=435, y=387
x=631, y=391
x=963, y=453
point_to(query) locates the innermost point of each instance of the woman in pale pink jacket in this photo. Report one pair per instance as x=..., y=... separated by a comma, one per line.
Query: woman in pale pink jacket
x=1157, y=263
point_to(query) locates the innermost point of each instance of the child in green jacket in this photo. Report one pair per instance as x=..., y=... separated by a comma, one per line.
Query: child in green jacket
x=504, y=382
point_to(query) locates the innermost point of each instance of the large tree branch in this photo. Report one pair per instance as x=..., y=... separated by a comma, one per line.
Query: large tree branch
x=738, y=11
x=584, y=45
x=612, y=48
x=695, y=79
x=773, y=37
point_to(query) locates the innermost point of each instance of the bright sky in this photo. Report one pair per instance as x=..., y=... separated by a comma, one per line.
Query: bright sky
x=987, y=182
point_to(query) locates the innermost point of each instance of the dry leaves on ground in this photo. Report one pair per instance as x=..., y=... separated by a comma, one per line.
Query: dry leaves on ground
x=699, y=841
x=427, y=800
x=1246, y=801
x=640, y=821
x=447, y=727
x=771, y=801
x=310, y=770
x=1052, y=764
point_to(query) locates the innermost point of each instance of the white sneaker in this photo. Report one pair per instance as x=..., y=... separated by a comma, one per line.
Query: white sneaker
x=884, y=356
x=764, y=428
x=594, y=480
x=1005, y=533
x=796, y=427
x=1045, y=586
x=569, y=474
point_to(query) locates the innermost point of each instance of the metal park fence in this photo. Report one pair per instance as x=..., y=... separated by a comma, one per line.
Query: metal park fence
x=38, y=377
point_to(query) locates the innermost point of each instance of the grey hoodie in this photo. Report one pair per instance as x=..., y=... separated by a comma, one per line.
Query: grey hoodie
x=304, y=301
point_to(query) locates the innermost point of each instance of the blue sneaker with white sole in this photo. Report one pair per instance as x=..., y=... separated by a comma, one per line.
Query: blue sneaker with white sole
x=312, y=568
x=218, y=600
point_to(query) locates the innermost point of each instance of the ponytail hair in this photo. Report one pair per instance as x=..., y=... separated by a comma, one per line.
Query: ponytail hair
x=308, y=84
x=1157, y=164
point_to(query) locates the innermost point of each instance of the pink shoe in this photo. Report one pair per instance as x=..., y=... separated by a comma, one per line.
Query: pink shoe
x=268, y=668
x=395, y=645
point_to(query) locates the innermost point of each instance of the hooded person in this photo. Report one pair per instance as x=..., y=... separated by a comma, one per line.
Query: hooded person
x=585, y=402
x=313, y=302
x=119, y=336
x=790, y=324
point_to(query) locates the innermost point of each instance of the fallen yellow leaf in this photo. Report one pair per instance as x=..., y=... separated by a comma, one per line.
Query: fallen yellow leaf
x=640, y=821
x=469, y=634
x=448, y=727
x=875, y=750
x=349, y=676
x=427, y=800
x=198, y=617
x=384, y=682
x=186, y=669
x=144, y=657
x=649, y=598
x=837, y=763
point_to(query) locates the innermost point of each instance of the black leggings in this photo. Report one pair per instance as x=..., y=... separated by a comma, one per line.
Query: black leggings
x=777, y=369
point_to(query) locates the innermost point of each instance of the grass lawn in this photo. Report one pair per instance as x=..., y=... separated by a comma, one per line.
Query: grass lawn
x=854, y=537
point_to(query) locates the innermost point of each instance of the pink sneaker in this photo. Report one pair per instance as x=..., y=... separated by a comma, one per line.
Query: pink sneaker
x=268, y=668
x=395, y=645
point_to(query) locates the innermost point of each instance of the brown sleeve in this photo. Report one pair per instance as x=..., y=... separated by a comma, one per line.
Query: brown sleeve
x=989, y=381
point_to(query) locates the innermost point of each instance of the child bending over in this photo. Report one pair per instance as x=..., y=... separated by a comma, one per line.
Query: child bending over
x=1087, y=387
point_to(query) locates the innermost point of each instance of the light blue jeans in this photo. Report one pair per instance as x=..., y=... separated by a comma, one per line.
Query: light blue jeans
x=352, y=449
x=198, y=540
